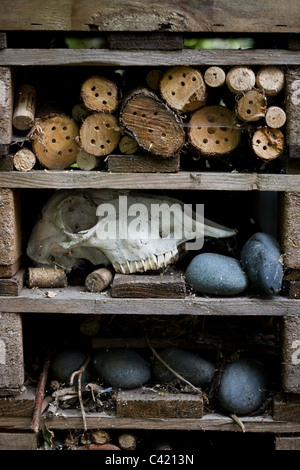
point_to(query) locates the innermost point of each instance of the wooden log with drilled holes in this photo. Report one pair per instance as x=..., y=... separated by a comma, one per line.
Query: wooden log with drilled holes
x=267, y=143
x=183, y=88
x=270, y=80
x=240, y=79
x=100, y=94
x=100, y=134
x=46, y=277
x=215, y=77
x=251, y=106
x=275, y=117
x=24, y=160
x=24, y=109
x=212, y=130
x=53, y=141
x=156, y=128
x=99, y=280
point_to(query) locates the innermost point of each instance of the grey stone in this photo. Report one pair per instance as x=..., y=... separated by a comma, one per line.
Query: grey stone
x=122, y=368
x=190, y=366
x=242, y=387
x=261, y=260
x=211, y=273
x=65, y=363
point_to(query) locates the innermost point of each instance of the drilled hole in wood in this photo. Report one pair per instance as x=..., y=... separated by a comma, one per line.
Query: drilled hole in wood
x=65, y=128
x=96, y=94
x=108, y=141
x=144, y=115
x=211, y=119
x=53, y=140
x=93, y=88
x=173, y=93
x=96, y=128
x=184, y=75
x=265, y=147
x=217, y=142
x=226, y=140
x=107, y=125
x=59, y=152
x=224, y=129
x=155, y=113
x=53, y=128
x=93, y=141
x=248, y=111
x=258, y=141
x=109, y=93
x=150, y=130
x=182, y=84
x=163, y=134
x=205, y=141
x=211, y=130
x=250, y=102
x=70, y=150
x=102, y=146
x=170, y=77
x=194, y=79
x=104, y=102
x=67, y=137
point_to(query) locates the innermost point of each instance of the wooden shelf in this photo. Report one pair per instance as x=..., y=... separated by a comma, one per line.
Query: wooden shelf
x=69, y=179
x=70, y=419
x=76, y=300
x=118, y=58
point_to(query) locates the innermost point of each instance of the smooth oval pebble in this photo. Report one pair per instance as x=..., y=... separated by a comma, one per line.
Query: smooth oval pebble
x=261, y=259
x=191, y=367
x=65, y=363
x=122, y=368
x=242, y=386
x=211, y=273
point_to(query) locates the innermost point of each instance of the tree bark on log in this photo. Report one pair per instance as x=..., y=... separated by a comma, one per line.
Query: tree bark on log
x=100, y=134
x=240, y=79
x=24, y=110
x=53, y=141
x=212, y=131
x=271, y=80
x=100, y=94
x=183, y=89
x=267, y=143
x=251, y=106
x=156, y=128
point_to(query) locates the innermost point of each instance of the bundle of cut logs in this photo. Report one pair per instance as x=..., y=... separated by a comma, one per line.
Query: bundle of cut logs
x=178, y=108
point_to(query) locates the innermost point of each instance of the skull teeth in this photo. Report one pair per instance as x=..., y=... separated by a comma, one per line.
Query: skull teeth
x=143, y=265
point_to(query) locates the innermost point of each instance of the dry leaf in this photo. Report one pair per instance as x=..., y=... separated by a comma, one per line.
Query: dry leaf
x=50, y=294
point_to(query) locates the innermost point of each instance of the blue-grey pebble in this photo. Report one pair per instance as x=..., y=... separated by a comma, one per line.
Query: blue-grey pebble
x=211, y=273
x=261, y=260
x=121, y=368
x=66, y=362
x=242, y=387
x=190, y=366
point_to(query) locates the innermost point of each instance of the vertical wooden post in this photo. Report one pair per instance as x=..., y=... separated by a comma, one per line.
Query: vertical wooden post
x=6, y=109
x=291, y=354
x=10, y=232
x=11, y=352
x=292, y=112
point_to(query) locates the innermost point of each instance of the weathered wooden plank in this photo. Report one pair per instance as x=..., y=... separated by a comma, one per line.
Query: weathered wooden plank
x=10, y=228
x=146, y=41
x=40, y=179
x=290, y=229
x=148, y=286
x=173, y=15
x=6, y=106
x=287, y=443
x=13, y=285
x=291, y=354
x=76, y=300
x=148, y=404
x=107, y=57
x=18, y=441
x=6, y=161
x=285, y=409
x=292, y=112
x=11, y=351
x=142, y=164
x=21, y=404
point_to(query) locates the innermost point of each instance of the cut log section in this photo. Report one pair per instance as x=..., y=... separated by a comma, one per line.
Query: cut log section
x=183, y=88
x=240, y=79
x=46, y=277
x=267, y=143
x=53, y=141
x=100, y=134
x=24, y=110
x=100, y=94
x=251, y=106
x=275, y=117
x=271, y=80
x=86, y=161
x=24, y=160
x=156, y=128
x=215, y=77
x=128, y=145
x=99, y=280
x=213, y=130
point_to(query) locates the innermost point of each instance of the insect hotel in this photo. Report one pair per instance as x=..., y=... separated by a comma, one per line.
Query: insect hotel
x=149, y=226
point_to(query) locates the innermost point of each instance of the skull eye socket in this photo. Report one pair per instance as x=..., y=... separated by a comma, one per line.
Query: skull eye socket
x=78, y=215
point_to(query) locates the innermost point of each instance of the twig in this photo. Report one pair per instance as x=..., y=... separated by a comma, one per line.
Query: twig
x=79, y=372
x=238, y=421
x=35, y=423
x=172, y=370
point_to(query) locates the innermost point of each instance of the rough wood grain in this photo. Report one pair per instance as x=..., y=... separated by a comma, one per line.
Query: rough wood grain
x=287, y=443
x=142, y=164
x=10, y=228
x=291, y=355
x=145, y=41
x=21, y=404
x=292, y=95
x=290, y=229
x=11, y=351
x=285, y=409
x=13, y=285
x=18, y=441
x=148, y=286
x=148, y=404
x=6, y=105
x=75, y=300
x=173, y=15
x=107, y=57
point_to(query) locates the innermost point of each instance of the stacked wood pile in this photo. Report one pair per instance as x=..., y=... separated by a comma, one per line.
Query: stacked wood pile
x=171, y=113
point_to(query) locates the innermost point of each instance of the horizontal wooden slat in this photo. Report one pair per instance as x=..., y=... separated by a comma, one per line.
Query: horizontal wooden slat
x=184, y=180
x=173, y=15
x=77, y=300
x=117, y=58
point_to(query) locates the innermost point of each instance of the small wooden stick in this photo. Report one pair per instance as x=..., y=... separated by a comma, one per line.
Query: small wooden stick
x=275, y=117
x=47, y=277
x=238, y=421
x=79, y=372
x=24, y=111
x=24, y=160
x=35, y=423
x=99, y=280
x=214, y=77
x=86, y=161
